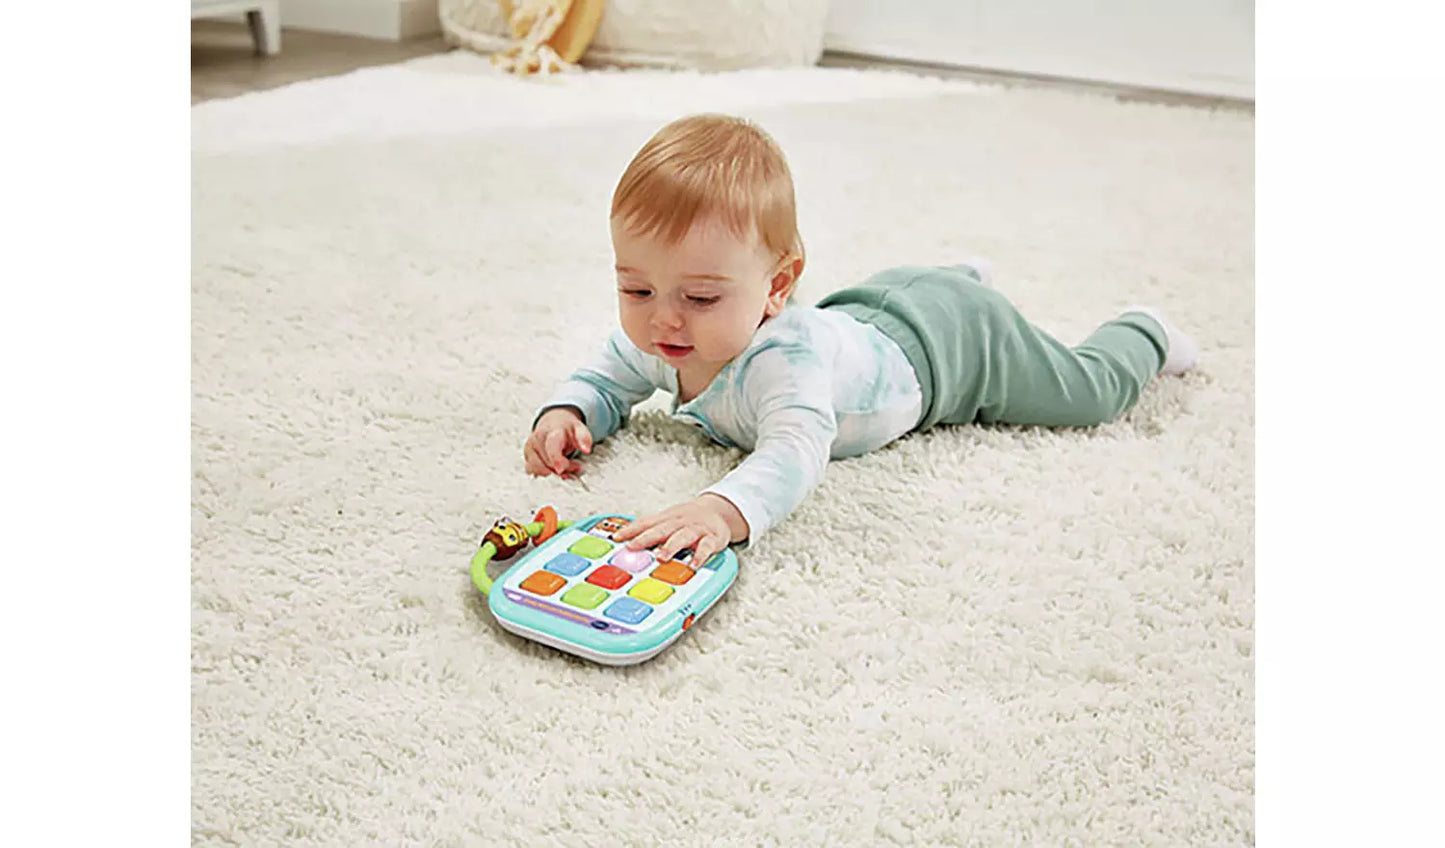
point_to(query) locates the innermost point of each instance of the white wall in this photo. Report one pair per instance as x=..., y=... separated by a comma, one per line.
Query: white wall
x=1199, y=46
x=392, y=20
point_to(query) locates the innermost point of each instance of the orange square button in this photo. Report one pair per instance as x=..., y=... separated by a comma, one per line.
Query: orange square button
x=673, y=572
x=544, y=583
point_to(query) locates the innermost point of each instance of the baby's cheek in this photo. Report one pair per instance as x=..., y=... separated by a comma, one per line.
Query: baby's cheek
x=728, y=346
x=739, y=333
x=636, y=331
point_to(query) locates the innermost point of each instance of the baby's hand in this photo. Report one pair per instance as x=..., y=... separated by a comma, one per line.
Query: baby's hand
x=707, y=524
x=559, y=432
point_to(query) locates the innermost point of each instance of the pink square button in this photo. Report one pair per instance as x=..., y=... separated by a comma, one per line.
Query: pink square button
x=633, y=561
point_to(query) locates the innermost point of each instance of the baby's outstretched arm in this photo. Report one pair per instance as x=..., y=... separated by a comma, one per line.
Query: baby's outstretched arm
x=588, y=407
x=789, y=392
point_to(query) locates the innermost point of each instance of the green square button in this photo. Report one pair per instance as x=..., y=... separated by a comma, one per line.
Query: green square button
x=585, y=596
x=590, y=547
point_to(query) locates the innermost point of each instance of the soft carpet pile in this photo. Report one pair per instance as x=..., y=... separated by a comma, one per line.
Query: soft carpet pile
x=974, y=637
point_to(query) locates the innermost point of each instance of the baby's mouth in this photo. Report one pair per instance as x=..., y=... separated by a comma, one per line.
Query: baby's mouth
x=672, y=351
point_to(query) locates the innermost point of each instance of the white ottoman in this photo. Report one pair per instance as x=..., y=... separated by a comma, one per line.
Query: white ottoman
x=263, y=15
x=699, y=34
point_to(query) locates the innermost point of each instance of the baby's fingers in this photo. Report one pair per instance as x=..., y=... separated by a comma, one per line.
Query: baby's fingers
x=632, y=528
x=685, y=537
x=531, y=455
x=653, y=535
x=552, y=451
x=582, y=437
x=707, y=547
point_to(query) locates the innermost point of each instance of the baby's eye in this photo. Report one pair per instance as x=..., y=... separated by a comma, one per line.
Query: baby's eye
x=637, y=294
x=702, y=301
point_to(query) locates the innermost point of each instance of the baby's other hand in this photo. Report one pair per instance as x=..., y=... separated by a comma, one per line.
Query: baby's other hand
x=559, y=432
x=707, y=524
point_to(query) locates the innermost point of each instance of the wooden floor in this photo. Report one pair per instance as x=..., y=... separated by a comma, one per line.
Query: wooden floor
x=983, y=75
x=224, y=64
x=224, y=61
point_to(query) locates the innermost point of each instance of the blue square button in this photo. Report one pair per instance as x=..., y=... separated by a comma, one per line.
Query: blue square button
x=568, y=565
x=628, y=611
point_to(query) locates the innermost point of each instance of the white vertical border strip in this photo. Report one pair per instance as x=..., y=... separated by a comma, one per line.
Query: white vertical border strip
x=1349, y=584
x=96, y=467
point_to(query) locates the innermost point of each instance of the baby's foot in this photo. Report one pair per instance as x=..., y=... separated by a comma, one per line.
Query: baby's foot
x=1183, y=353
x=983, y=267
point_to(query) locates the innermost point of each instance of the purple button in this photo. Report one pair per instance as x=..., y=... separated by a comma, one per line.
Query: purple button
x=633, y=561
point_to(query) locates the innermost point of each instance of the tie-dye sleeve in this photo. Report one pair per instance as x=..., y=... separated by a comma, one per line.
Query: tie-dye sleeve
x=607, y=387
x=789, y=391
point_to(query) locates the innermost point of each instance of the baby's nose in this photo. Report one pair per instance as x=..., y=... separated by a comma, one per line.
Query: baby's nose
x=667, y=316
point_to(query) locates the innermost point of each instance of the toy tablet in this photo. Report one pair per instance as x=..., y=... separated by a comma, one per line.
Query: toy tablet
x=581, y=591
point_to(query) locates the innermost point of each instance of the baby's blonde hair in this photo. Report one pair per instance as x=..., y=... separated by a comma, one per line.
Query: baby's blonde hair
x=705, y=165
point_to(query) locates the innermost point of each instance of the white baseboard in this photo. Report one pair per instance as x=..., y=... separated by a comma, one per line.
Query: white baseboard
x=1199, y=46
x=390, y=20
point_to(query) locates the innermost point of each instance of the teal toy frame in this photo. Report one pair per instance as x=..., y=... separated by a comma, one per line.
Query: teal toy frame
x=565, y=591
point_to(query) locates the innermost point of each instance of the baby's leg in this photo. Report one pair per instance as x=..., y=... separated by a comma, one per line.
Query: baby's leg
x=1032, y=378
x=1026, y=376
x=984, y=362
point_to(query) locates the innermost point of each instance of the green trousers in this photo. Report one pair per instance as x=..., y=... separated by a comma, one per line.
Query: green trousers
x=978, y=360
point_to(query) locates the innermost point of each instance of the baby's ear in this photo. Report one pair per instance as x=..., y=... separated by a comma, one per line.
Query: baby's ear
x=785, y=280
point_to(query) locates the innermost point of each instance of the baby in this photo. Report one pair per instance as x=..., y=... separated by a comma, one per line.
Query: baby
x=708, y=257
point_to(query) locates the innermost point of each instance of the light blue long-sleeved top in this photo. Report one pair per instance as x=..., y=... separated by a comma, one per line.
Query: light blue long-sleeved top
x=812, y=385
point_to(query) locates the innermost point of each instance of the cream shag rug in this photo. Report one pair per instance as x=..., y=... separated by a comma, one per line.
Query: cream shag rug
x=974, y=637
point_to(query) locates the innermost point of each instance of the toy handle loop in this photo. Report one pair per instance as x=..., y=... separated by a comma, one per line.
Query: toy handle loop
x=543, y=527
x=480, y=560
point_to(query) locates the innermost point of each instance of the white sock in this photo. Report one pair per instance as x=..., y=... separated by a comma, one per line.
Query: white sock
x=1183, y=353
x=983, y=267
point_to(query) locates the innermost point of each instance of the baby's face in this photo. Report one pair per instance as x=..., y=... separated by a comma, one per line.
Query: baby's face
x=695, y=304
